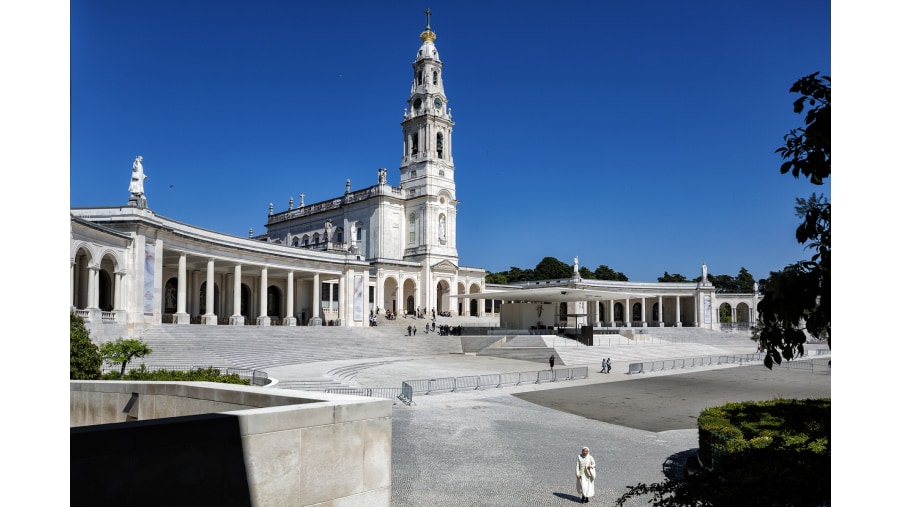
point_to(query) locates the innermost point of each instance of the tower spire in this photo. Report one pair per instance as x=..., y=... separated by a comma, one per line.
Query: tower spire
x=427, y=18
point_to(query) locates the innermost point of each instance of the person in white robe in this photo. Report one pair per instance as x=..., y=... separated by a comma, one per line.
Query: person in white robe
x=584, y=474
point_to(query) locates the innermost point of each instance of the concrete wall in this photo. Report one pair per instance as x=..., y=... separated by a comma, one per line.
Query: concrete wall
x=208, y=443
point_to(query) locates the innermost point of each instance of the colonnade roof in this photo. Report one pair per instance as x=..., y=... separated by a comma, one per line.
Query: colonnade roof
x=561, y=294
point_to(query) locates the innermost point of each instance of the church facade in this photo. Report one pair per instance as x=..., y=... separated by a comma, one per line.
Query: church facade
x=377, y=249
x=374, y=250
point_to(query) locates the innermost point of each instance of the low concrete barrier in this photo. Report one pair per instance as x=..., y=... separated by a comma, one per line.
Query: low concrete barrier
x=203, y=443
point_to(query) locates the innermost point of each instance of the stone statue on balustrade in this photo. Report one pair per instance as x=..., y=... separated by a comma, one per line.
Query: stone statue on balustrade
x=136, y=187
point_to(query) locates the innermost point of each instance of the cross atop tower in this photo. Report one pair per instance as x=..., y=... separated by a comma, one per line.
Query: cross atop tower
x=427, y=18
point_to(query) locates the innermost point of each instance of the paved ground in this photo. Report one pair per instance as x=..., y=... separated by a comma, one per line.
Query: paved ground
x=517, y=446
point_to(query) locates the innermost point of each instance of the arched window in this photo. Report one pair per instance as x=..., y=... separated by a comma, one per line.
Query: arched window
x=412, y=228
x=636, y=313
x=339, y=236
x=434, y=77
x=295, y=242
x=415, y=143
x=441, y=172
x=306, y=240
x=316, y=238
x=440, y=145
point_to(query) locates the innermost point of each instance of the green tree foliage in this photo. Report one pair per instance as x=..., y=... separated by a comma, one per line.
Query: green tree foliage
x=744, y=281
x=671, y=278
x=84, y=355
x=122, y=351
x=550, y=268
x=498, y=278
x=604, y=272
x=800, y=294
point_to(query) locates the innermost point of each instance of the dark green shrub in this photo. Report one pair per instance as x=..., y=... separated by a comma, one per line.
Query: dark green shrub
x=195, y=375
x=84, y=355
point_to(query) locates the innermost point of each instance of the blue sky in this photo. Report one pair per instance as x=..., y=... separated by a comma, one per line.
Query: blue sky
x=640, y=135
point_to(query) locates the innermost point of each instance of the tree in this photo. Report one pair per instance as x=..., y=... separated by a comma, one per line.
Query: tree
x=550, y=268
x=84, y=356
x=744, y=281
x=800, y=295
x=498, y=278
x=671, y=278
x=604, y=272
x=122, y=351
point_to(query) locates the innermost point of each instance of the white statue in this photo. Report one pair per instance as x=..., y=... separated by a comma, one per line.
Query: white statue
x=353, y=234
x=442, y=229
x=329, y=228
x=576, y=264
x=382, y=176
x=137, y=177
x=703, y=270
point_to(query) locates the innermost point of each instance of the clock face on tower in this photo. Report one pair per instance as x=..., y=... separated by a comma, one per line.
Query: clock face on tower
x=418, y=103
x=438, y=103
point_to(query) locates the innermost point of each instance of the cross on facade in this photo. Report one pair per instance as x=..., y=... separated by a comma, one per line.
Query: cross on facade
x=427, y=18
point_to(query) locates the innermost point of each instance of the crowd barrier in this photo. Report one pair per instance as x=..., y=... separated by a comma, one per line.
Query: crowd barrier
x=491, y=380
x=738, y=359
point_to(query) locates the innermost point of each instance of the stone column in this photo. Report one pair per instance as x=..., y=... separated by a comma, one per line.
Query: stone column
x=315, y=318
x=610, y=313
x=677, y=311
x=627, y=317
x=643, y=312
x=263, y=319
x=289, y=319
x=342, y=300
x=481, y=305
x=597, y=313
x=661, y=320
x=209, y=318
x=181, y=315
x=236, y=318
x=118, y=307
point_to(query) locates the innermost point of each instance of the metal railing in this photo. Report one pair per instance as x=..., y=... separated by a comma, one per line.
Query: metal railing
x=738, y=359
x=491, y=380
x=388, y=393
x=256, y=377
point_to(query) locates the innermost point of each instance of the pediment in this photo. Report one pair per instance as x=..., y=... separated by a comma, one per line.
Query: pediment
x=445, y=266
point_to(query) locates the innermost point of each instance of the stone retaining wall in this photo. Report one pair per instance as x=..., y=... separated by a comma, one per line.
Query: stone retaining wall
x=157, y=443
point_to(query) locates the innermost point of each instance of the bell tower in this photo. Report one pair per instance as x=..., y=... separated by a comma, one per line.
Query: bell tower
x=426, y=169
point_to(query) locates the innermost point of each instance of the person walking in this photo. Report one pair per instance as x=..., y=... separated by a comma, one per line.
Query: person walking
x=584, y=475
x=414, y=330
x=552, y=360
x=603, y=365
x=608, y=365
x=408, y=330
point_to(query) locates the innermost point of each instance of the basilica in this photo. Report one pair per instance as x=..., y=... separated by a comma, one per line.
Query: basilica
x=378, y=250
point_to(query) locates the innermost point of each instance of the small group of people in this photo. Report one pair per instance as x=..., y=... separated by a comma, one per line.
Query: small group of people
x=389, y=315
x=373, y=320
x=605, y=365
x=410, y=330
x=445, y=330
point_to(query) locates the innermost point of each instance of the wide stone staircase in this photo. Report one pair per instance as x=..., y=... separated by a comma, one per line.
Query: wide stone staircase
x=652, y=344
x=258, y=348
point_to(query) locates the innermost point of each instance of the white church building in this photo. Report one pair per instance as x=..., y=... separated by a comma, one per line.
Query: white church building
x=376, y=249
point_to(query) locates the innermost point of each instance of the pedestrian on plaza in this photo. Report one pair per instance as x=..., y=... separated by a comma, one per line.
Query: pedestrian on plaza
x=552, y=359
x=414, y=330
x=432, y=326
x=408, y=330
x=608, y=365
x=603, y=365
x=584, y=475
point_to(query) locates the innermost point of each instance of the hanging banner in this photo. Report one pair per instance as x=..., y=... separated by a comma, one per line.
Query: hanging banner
x=149, y=271
x=707, y=309
x=358, y=298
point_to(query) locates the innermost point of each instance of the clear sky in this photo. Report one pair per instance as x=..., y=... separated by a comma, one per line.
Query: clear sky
x=640, y=135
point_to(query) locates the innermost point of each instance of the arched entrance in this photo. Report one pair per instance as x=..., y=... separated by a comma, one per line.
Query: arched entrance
x=391, y=300
x=273, y=301
x=636, y=312
x=171, y=298
x=409, y=296
x=245, y=301
x=443, y=296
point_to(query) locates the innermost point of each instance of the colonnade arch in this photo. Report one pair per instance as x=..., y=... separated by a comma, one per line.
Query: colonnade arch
x=409, y=296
